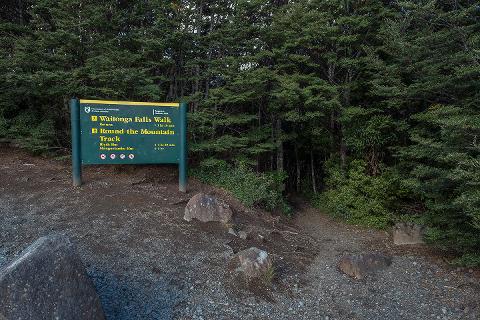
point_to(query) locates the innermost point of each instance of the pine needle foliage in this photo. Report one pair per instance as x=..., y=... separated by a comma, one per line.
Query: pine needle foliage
x=371, y=107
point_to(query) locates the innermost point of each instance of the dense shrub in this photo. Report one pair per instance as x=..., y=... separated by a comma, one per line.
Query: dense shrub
x=3, y=127
x=30, y=133
x=443, y=163
x=358, y=197
x=250, y=187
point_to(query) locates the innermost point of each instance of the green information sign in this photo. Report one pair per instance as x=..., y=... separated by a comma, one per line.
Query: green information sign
x=123, y=132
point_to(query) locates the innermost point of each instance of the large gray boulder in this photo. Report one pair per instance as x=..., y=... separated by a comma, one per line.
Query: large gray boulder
x=206, y=208
x=407, y=233
x=48, y=281
x=359, y=266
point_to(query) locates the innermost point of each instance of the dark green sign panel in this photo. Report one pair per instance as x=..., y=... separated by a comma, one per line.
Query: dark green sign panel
x=123, y=132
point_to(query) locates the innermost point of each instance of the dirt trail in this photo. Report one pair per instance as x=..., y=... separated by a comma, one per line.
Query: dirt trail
x=148, y=263
x=418, y=285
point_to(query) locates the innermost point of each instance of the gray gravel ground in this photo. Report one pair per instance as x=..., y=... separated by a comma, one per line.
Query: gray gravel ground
x=411, y=288
x=147, y=263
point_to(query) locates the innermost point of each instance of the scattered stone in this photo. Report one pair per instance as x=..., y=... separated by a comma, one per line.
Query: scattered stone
x=359, y=266
x=232, y=232
x=243, y=235
x=207, y=208
x=407, y=233
x=48, y=281
x=253, y=263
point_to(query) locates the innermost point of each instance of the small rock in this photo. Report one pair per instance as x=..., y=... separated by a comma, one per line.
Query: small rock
x=358, y=266
x=232, y=232
x=48, y=281
x=206, y=208
x=253, y=263
x=407, y=233
x=243, y=235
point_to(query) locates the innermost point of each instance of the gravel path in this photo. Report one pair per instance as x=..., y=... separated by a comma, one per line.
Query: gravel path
x=411, y=288
x=148, y=263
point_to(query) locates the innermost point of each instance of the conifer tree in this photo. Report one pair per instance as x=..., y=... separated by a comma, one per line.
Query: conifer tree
x=372, y=105
x=444, y=81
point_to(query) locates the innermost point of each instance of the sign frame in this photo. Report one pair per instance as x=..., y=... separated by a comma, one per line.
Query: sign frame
x=76, y=135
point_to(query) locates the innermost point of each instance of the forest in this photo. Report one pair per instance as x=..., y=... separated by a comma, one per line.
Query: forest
x=369, y=109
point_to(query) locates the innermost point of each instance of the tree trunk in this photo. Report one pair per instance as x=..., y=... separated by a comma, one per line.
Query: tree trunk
x=278, y=133
x=346, y=104
x=312, y=167
x=343, y=151
x=182, y=78
x=207, y=75
x=20, y=13
x=197, y=86
x=373, y=162
x=297, y=163
x=280, y=150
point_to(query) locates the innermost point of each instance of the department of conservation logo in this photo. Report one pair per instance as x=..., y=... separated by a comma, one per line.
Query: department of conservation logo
x=87, y=109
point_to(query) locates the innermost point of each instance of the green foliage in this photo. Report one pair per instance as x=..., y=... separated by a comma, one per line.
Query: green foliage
x=269, y=275
x=3, y=127
x=468, y=260
x=444, y=168
x=427, y=76
x=28, y=133
x=40, y=139
x=387, y=90
x=251, y=188
x=358, y=197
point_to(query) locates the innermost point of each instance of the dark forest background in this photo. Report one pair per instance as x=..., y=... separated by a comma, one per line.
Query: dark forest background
x=370, y=109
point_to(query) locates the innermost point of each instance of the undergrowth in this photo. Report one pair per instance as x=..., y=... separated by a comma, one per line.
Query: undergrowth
x=357, y=197
x=249, y=187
